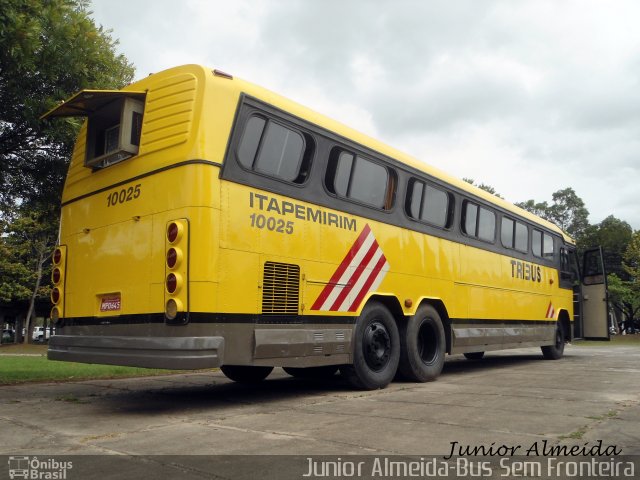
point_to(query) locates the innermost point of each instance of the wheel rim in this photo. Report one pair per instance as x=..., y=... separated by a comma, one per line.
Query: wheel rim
x=377, y=346
x=427, y=343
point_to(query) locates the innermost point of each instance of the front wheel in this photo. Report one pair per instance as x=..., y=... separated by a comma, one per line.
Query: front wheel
x=423, y=345
x=376, y=350
x=246, y=373
x=555, y=351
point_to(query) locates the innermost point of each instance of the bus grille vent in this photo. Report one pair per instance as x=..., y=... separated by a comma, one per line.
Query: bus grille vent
x=280, y=289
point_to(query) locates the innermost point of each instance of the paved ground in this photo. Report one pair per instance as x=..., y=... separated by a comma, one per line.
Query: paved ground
x=514, y=398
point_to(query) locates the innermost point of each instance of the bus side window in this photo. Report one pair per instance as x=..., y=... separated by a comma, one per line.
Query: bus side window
x=478, y=222
x=357, y=178
x=429, y=204
x=536, y=243
x=275, y=150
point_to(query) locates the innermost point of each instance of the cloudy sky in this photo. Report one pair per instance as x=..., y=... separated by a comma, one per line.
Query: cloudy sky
x=527, y=96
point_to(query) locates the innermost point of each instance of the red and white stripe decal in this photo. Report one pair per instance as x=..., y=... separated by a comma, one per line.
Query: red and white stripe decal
x=361, y=271
x=550, y=311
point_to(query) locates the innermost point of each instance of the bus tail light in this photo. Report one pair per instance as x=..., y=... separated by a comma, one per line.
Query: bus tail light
x=59, y=259
x=176, y=270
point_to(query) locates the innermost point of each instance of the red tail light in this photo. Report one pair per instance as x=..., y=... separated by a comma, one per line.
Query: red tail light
x=57, y=256
x=55, y=295
x=172, y=257
x=172, y=232
x=56, y=275
x=172, y=283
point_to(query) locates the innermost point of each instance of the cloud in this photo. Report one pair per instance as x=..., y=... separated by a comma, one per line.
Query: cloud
x=529, y=96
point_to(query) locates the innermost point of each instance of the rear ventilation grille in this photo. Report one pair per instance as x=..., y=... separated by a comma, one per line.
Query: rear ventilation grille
x=280, y=289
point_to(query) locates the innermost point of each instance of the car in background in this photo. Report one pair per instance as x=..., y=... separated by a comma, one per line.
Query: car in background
x=8, y=335
x=39, y=333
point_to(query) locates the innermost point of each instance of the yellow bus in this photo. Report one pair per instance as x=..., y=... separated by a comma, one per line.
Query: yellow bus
x=208, y=222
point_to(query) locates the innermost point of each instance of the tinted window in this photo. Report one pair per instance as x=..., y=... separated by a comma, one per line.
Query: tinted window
x=522, y=237
x=428, y=203
x=487, y=225
x=368, y=183
x=506, y=232
x=281, y=152
x=470, y=218
x=360, y=179
x=343, y=173
x=547, y=246
x=250, y=141
x=536, y=243
x=415, y=195
x=514, y=234
x=435, y=206
x=479, y=222
x=271, y=148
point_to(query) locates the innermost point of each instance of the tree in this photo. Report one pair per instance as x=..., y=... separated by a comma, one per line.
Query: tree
x=567, y=211
x=28, y=242
x=49, y=49
x=540, y=209
x=625, y=295
x=625, y=298
x=613, y=235
x=482, y=186
x=631, y=260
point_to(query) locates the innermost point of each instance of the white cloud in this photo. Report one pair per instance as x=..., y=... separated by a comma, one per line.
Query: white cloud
x=528, y=96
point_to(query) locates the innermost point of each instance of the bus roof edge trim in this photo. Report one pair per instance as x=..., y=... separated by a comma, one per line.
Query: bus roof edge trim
x=86, y=102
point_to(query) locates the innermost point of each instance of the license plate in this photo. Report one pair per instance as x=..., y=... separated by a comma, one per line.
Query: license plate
x=110, y=304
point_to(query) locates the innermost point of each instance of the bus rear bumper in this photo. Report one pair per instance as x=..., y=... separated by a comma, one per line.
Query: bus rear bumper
x=176, y=353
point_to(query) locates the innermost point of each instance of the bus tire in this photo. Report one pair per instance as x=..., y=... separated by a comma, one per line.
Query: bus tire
x=423, y=345
x=315, y=373
x=246, y=373
x=555, y=351
x=474, y=355
x=376, y=350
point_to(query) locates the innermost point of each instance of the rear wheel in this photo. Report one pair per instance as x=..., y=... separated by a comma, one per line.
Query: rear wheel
x=555, y=351
x=474, y=355
x=423, y=344
x=327, y=371
x=376, y=349
x=246, y=373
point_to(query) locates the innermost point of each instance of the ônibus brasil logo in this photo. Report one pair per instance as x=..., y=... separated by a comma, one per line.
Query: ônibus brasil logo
x=36, y=469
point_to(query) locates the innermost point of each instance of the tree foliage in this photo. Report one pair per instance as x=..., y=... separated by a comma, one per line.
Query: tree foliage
x=49, y=49
x=613, y=235
x=483, y=186
x=567, y=211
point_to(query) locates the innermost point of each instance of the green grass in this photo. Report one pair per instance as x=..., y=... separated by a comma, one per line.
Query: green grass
x=23, y=369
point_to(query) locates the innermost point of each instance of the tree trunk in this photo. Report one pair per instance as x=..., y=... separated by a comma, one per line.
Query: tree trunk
x=32, y=302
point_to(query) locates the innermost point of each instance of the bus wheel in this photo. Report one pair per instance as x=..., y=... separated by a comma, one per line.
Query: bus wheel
x=376, y=349
x=246, y=374
x=474, y=355
x=555, y=351
x=326, y=371
x=423, y=345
